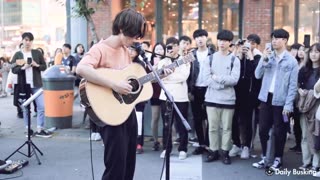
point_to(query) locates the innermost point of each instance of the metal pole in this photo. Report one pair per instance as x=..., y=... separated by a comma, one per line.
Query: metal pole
x=2, y=23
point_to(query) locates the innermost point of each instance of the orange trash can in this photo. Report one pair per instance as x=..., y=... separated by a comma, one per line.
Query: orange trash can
x=58, y=91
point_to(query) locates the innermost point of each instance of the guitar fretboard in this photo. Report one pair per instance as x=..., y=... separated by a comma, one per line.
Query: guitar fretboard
x=150, y=77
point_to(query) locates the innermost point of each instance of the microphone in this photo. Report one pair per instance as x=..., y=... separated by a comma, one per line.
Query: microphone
x=138, y=47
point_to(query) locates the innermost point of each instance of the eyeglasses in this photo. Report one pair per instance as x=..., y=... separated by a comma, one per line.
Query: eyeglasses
x=169, y=47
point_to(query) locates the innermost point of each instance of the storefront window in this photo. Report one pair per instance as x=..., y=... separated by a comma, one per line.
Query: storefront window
x=231, y=16
x=170, y=19
x=147, y=7
x=190, y=17
x=309, y=18
x=284, y=17
x=210, y=18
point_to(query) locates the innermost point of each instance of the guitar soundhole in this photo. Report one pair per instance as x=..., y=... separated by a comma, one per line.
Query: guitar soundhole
x=135, y=85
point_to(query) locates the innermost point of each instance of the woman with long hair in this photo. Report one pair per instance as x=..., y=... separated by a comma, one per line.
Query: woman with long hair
x=158, y=53
x=308, y=76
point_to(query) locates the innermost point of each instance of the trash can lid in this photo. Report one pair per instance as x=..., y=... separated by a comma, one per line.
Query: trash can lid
x=58, y=73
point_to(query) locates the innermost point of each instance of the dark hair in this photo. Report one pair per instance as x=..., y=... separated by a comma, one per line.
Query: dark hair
x=130, y=23
x=147, y=43
x=185, y=38
x=28, y=35
x=225, y=35
x=76, y=51
x=295, y=46
x=21, y=44
x=200, y=32
x=153, y=50
x=254, y=38
x=306, y=71
x=280, y=33
x=67, y=45
x=41, y=50
x=172, y=40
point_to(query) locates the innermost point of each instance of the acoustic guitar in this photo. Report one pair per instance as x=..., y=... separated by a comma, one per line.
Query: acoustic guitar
x=107, y=107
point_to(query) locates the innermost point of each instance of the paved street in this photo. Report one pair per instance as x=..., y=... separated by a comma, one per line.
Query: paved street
x=67, y=156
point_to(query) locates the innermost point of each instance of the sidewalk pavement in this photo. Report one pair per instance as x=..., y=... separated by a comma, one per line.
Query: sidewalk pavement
x=66, y=156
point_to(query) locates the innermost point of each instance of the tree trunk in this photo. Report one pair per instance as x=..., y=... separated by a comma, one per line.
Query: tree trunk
x=92, y=29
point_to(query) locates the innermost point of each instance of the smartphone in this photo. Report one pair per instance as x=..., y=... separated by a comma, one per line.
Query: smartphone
x=268, y=46
x=247, y=45
x=285, y=118
x=306, y=40
x=29, y=60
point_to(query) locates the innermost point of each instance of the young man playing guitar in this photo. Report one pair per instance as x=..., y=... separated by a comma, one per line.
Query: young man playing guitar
x=112, y=53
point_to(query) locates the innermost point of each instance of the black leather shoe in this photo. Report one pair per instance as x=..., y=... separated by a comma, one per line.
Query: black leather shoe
x=226, y=158
x=212, y=156
x=199, y=150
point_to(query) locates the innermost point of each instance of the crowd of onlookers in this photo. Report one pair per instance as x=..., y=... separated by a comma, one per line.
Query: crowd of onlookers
x=233, y=89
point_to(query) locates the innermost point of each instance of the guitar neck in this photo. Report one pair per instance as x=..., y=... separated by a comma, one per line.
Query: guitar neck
x=150, y=77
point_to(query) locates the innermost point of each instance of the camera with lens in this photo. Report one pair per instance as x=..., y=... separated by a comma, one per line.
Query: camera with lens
x=240, y=41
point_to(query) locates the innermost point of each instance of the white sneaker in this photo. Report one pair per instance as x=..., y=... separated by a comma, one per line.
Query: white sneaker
x=316, y=174
x=182, y=155
x=163, y=154
x=235, y=151
x=97, y=137
x=93, y=136
x=245, y=153
x=260, y=164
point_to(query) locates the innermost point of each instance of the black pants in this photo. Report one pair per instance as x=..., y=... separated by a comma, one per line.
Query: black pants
x=182, y=131
x=271, y=117
x=297, y=127
x=120, y=149
x=200, y=115
x=94, y=127
x=242, y=125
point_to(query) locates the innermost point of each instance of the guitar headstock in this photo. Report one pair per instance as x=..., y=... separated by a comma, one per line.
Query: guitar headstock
x=188, y=58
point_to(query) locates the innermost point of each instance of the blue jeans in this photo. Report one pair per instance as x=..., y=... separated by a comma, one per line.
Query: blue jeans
x=40, y=110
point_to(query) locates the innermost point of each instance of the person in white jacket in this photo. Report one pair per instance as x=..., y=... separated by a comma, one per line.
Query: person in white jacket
x=176, y=84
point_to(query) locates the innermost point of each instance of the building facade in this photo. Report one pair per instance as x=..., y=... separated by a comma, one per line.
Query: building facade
x=181, y=17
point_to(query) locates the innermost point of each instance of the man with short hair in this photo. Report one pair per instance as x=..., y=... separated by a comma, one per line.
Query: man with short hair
x=220, y=96
x=247, y=91
x=176, y=84
x=278, y=70
x=68, y=60
x=29, y=79
x=197, y=88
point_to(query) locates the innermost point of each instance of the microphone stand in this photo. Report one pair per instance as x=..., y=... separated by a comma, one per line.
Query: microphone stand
x=26, y=107
x=169, y=113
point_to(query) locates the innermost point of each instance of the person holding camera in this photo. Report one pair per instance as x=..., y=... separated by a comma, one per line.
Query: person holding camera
x=278, y=70
x=29, y=64
x=247, y=91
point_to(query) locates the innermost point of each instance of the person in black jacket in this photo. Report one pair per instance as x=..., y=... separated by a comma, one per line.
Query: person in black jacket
x=197, y=88
x=247, y=91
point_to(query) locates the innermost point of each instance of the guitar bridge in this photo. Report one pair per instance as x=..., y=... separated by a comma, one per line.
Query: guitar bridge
x=117, y=96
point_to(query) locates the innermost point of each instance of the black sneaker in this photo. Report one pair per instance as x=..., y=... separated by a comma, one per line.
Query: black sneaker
x=296, y=149
x=30, y=132
x=305, y=167
x=43, y=134
x=276, y=165
x=156, y=146
x=193, y=140
x=212, y=156
x=199, y=150
x=226, y=158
